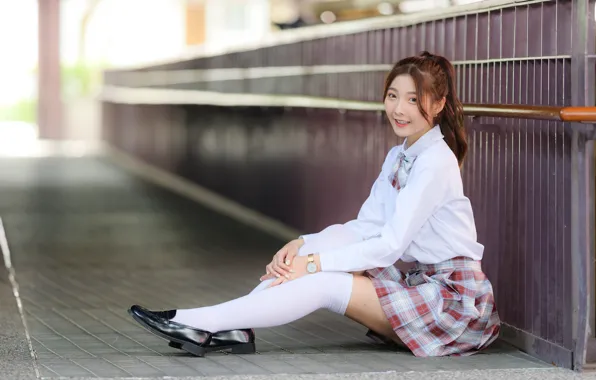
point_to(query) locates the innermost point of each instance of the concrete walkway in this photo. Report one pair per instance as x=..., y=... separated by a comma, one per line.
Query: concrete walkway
x=87, y=240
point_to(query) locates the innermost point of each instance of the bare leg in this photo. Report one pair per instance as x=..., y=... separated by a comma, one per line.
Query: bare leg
x=365, y=308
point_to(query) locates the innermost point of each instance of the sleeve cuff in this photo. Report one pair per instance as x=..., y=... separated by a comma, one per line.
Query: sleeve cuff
x=368, y=254
x=307, y=237
x=327, y=261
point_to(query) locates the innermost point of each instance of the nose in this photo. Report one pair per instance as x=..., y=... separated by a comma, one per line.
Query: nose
x=397, y=108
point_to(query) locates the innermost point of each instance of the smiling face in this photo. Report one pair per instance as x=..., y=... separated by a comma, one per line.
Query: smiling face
x=419, y=93
x=401, y=106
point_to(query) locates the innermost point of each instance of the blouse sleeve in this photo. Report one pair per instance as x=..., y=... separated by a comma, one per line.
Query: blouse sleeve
x=370, y=219
x=424, y=193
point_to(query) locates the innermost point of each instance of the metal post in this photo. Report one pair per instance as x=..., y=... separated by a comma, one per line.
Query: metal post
x=582, y=195
x=49, y=107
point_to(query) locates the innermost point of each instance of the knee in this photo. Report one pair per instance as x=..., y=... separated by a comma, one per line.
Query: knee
x=319, y=280
x=329, y=284
x=315, y=279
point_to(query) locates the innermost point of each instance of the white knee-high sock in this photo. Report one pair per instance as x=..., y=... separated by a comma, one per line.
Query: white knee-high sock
x=275, y=306
x=263, y=285
x=332, y=237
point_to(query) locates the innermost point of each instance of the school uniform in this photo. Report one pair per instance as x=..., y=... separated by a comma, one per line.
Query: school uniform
x=417, y=212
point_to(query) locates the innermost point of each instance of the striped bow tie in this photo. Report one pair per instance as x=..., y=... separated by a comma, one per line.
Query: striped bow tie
x=400, y=171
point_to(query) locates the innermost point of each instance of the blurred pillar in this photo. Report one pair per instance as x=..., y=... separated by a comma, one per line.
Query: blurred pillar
x=49, y=107
x=195, y=22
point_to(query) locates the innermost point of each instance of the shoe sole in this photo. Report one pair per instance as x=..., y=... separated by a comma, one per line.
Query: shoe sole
x=238, y=349
x=183, y=345
x=243, y=348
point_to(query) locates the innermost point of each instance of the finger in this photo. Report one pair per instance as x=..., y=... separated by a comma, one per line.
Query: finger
x=291, y=255
x=277, y=282
x=280, y=272
x=280, y=252
x=281, y=264
x=282, y=257
x=267, y=276
x=269, y=272
x=279, y=268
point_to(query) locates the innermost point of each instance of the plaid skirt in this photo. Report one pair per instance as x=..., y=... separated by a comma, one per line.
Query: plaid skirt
x=440, y=309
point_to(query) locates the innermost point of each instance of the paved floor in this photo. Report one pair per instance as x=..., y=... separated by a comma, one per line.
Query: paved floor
x=87, y=240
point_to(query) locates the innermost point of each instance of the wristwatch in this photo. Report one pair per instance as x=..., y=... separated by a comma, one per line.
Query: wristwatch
x=311, y=266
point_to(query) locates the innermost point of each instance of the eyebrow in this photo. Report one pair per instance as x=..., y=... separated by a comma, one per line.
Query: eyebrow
x=409, y=92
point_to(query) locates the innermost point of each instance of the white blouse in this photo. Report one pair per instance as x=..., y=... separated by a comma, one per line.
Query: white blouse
x=429, y=220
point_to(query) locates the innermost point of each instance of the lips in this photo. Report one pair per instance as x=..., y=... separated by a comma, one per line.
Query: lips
x=401, y=123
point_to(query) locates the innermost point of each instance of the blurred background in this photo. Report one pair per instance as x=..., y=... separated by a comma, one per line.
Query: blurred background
x=100, y=34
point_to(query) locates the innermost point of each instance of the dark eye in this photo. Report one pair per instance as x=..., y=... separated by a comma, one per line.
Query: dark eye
x=413, y=100
x=391, y=96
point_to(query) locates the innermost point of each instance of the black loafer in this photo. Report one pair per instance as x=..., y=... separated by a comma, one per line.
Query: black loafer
x=380, y=339
x=190, y=339
x=240, y=341
x=236, y=341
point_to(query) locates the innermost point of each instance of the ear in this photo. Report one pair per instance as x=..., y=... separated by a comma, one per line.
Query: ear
x=438, y=106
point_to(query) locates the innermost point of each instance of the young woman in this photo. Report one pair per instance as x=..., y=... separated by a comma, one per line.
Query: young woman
x=416, y=212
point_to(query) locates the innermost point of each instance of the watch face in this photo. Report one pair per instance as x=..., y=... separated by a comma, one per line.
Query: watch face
x=311, y=267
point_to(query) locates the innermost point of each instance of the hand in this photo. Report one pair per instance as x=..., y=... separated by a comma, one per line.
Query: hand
x=298, y=270
x=282, y=260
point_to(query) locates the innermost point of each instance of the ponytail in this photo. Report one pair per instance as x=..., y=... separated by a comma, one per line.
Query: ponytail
x=451, y=118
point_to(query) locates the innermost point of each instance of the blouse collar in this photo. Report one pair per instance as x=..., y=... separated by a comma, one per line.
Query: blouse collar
x=425, y=141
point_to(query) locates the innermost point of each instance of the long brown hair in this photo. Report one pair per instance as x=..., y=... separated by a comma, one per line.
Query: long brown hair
x=434, y=76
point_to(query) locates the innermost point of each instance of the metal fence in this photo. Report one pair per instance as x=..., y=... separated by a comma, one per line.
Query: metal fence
x=288, y=157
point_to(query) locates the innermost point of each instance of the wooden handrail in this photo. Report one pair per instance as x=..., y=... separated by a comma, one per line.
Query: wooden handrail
x=578, y=114
x=570, y=114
